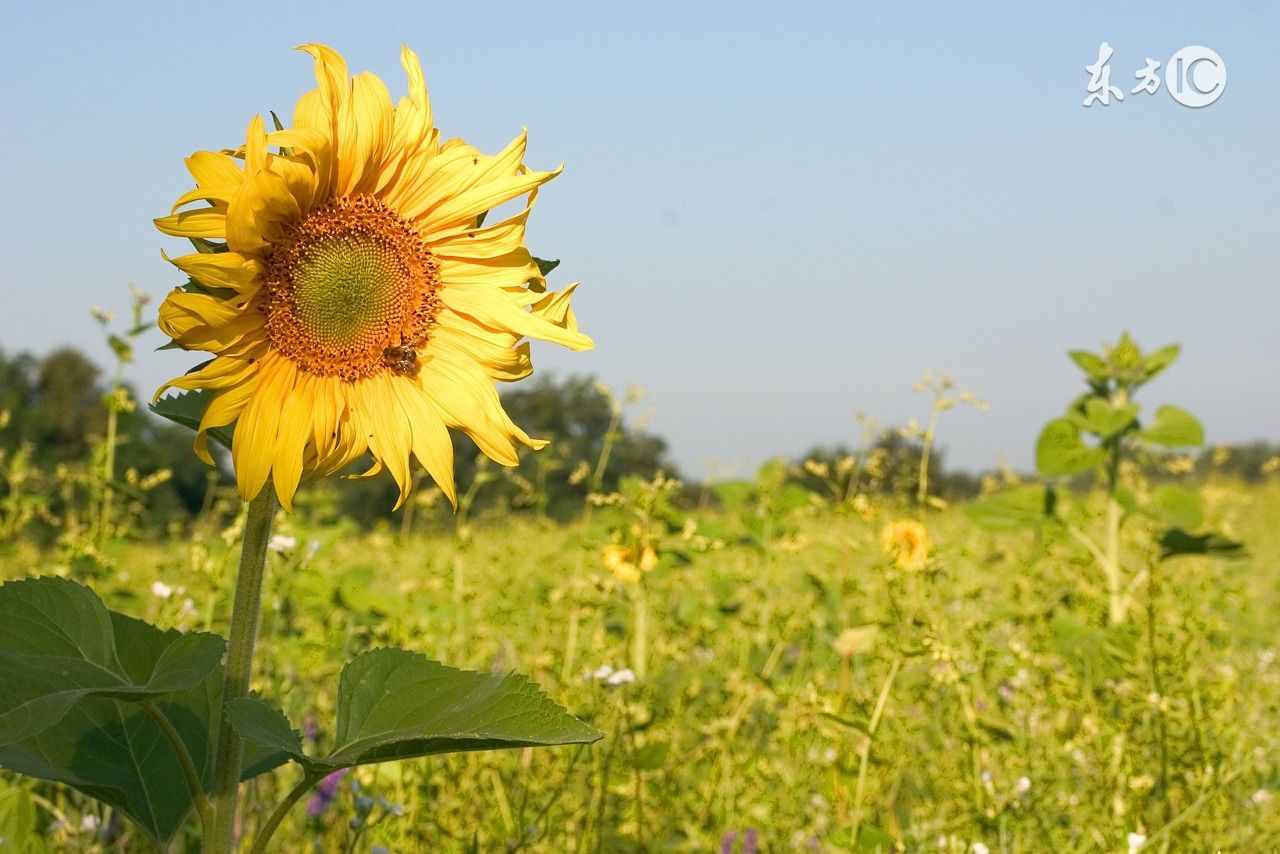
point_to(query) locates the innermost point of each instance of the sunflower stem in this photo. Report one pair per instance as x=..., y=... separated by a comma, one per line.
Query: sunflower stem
x=235, y=681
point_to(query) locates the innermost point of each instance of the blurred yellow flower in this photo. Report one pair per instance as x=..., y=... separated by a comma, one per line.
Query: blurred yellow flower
x=628, y=563
x=352, y=297
x=858, y=639
x=907, y=542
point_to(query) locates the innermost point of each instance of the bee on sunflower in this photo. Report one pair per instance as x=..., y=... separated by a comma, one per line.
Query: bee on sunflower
x=350, y=293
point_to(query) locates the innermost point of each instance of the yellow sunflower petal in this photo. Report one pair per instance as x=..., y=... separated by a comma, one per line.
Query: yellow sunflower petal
x=431, y=444
x=292, y=436
x=222, y=410
x=254, y=442
x=205, y=222
x=220, y=269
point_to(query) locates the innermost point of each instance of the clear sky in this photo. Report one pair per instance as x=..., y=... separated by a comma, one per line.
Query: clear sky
x=782, y=213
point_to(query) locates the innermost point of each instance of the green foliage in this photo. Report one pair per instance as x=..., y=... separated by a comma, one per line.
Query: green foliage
x=58, y=646
x=394, y=704
x=1012, y=509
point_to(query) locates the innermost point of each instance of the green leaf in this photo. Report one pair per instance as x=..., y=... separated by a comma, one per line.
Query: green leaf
x=1019, y=507
x=1176, y=506
x=187, y=408
x=1155, y=362
x=1060, y=451
x=207, y=247
x=545, y=266
x=58, y=646
x=1091, y=363
x=1177, y=543
x=122, y=349
x=394, y=704
x=113, y=751
x=1103, y=419
x=18, y=830
x=1173, y=427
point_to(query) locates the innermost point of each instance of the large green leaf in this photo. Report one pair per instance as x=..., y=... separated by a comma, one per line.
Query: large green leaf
x=58, y=645
x=1174, y=427
x=187, y=409
x=1060, y=451
x=394, y=704
x=107, y=746
x=1019, y=507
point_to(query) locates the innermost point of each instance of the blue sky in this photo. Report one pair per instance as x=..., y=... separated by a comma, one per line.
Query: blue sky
x=781, y=214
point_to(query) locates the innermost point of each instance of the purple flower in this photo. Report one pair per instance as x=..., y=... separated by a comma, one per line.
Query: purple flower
x=726, y=843
x=750, y=841
x=325, y=794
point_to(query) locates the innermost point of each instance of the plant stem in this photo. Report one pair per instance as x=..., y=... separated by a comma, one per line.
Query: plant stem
x=204, y=809
x=640, y=641
x=864, y=755
x=282, y=809
x=239, y=667
x=922, y=483
x=1118, y=601
x=1157, y=686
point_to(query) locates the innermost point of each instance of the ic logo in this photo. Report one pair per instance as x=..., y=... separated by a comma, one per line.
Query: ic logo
x=1195, y=76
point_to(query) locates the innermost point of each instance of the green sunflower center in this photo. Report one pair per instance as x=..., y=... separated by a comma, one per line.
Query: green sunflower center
x=345, y=289
x=351, y=291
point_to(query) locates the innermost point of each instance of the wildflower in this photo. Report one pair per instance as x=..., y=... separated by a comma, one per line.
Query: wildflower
x=160, y=590
x=601, y=673
x=90, y=823
x=629, y=563
x=356, y=302
x=907, y=542
x=281, y=543
x=1261, y=797
x=325, y=794
x=625, y=676
x=979, y=848
x=856, y=640
x=1023, y=786
x=1136, y=841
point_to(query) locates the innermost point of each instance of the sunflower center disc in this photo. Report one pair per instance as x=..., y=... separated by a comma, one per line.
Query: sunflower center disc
x=351, y=291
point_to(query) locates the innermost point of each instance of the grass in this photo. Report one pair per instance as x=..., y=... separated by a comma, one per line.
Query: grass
x=987, y=702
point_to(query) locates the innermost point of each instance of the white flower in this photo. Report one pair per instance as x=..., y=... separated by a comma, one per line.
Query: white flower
x=189, y=607
x=1024, y=785
x=282, y=543
x=89, y=823
x=160, y=590
x=622, y=677
x=1260, y=797
x=601, y=673
x=1136, y=841
x=979, y=848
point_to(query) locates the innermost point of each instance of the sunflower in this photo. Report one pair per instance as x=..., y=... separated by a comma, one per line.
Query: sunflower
x=907, y=542
x=352, y=296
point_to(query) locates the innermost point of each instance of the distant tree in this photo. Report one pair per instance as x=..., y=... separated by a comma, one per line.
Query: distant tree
x=55, y=403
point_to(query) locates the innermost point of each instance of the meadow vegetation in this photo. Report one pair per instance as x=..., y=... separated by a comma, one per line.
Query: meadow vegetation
x=853, y=651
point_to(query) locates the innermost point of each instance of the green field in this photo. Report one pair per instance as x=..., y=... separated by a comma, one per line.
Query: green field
x=983, y=700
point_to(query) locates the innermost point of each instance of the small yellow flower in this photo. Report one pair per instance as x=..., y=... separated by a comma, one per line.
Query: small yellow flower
x=907, y=542
x=628, y=563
